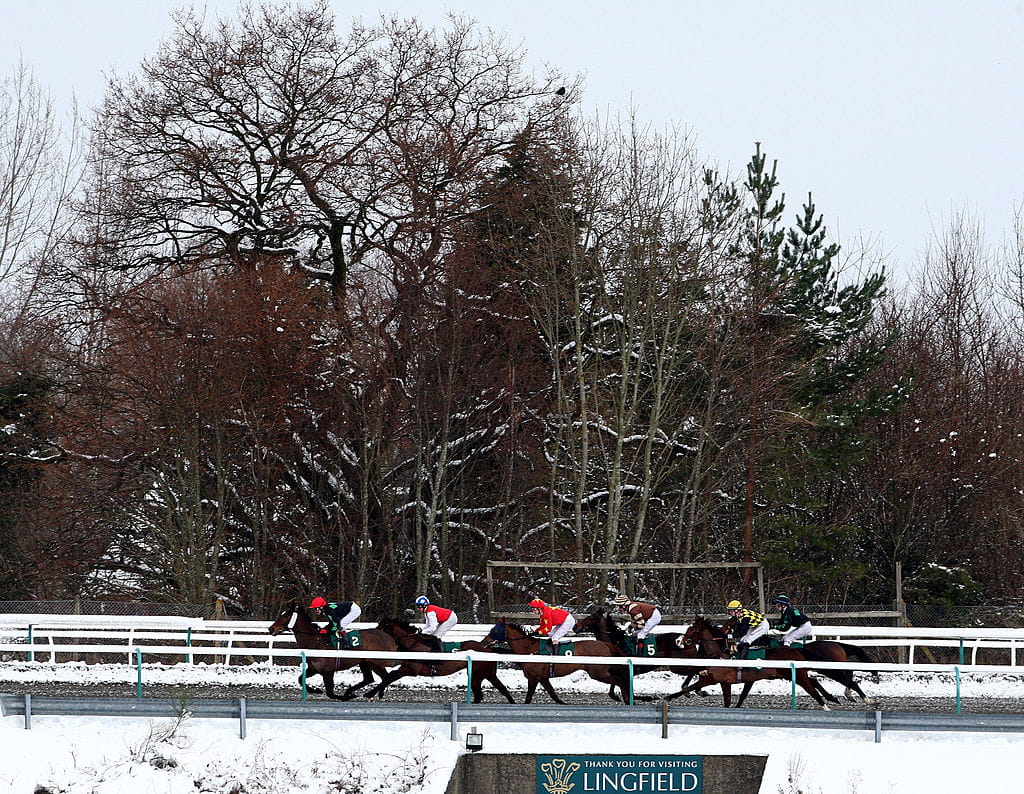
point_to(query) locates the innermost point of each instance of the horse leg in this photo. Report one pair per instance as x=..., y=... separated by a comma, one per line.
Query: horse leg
x=822, y=691
x=477, y=685
x=808, y=686
x=702, y=681
x=304, y=678
x=496, y=683
x=531, y=687
x=546, y=683
x=743, y=694
x=689, y=677
x=855, y=687
x=365, y=668
x=329, y=686
x=727, y=693
x=391, y=677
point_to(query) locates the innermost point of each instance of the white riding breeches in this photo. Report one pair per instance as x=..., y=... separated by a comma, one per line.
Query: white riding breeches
x=757, y=631
x=651, y=622
x=353, y=613
x=797, y=633
x=562, y=629
x=440, y=629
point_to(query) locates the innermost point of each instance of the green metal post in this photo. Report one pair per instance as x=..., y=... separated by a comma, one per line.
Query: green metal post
x=792, y=677
x=469, y=678
x=630, y=681
x=138, y=667
x=31, y=654
x=957, y=670
x=961, y=650
x=303, y=663
x=188, y=643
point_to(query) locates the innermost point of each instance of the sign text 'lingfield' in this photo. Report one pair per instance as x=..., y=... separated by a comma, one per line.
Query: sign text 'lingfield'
x=576, y=774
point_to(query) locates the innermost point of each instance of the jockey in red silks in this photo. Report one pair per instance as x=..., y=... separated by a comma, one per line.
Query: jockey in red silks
x=554, y=622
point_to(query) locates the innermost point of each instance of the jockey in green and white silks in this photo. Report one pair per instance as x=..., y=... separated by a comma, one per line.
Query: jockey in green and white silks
x=792, y=621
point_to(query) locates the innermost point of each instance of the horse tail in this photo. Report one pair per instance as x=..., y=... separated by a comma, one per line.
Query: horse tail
x=856, y=652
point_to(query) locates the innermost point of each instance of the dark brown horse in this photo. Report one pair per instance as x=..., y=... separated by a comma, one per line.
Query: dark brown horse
x=541, y=672
x=833, y=651
x=310, y=636
x=408, y=638
x=702, y=635
x=668, y=645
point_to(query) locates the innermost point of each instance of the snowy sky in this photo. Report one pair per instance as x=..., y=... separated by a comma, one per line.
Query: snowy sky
x=897, y=116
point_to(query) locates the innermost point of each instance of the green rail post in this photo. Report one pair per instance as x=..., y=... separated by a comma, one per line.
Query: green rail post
x=961, y=650
x=957, y=671
x=792, y=686
x=630, y=661
x=31, y=653
x=138, y=667
x=188, y=643
x=469, y=678
x=302, y=661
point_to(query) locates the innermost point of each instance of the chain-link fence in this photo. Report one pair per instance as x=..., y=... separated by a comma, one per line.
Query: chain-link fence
x=77, y=606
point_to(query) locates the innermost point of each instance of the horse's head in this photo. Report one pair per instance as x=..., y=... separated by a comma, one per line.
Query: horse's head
x=287, y=619
x=693, y=633
x=592, y=622
x=496, y=634
x=397, y=627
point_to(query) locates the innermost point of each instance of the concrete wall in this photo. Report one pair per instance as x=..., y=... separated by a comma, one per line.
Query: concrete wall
x=483, y=773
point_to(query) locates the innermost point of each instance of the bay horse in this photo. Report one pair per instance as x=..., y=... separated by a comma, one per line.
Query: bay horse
x=408, y=638
x=669, y=645
x=702, y=635
x=310, y=636
x=834, y=651
x=541, y=672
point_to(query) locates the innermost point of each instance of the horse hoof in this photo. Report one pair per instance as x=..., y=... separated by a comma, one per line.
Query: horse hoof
x=825, y=707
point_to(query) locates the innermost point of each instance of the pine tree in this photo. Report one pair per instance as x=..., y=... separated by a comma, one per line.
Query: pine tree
x=801, y=379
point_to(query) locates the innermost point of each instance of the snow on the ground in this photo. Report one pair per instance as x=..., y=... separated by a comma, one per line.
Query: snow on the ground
x=117, y=755
x=987, y=685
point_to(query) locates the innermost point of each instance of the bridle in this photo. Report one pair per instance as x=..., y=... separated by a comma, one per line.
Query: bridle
x=708, y=644
x=292, y=621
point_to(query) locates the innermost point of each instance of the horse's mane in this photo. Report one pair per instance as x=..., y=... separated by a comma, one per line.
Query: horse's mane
x=516, y=626
x=404, y=625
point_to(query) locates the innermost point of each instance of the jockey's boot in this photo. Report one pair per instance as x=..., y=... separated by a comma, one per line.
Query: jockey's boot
x=742, y=649
x=544, y=645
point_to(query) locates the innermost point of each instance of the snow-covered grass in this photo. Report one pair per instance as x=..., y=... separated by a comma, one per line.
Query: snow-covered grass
x=175, y=756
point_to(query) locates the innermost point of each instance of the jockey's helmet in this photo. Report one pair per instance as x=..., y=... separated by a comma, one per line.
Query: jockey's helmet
x=782, y=600
x=537, y=604
x=422, y=601
x=734, y=604
x=318, y=603
x=620, y=600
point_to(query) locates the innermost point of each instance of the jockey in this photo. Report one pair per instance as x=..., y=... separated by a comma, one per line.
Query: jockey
x=750, y=626
x=555, y=623
x=436, y=620
x=792, y=621
x=340, y=614
x=643, y=615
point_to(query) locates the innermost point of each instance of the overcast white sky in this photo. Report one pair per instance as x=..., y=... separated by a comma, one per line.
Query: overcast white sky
x=896, y=115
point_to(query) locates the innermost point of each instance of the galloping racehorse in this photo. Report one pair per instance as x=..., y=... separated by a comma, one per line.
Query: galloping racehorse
x=667, y=645
x=409, y=639
x=833, y=651
x=541, y=672
x=310, y=636
x=701, y=634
